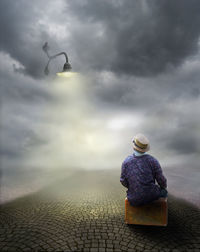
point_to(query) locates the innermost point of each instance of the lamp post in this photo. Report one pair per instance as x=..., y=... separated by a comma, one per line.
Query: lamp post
x=66, y=68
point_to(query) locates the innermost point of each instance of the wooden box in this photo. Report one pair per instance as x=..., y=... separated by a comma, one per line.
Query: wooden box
x=154, y=213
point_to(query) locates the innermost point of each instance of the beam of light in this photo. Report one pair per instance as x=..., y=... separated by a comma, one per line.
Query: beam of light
x=124, y=121
x=78, y=132
x=67, y=74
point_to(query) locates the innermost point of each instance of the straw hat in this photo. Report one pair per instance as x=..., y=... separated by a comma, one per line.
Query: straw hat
x=140, y=143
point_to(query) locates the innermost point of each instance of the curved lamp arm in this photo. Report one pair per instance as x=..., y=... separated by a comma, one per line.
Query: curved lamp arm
x=66, y=66
x=58, y=54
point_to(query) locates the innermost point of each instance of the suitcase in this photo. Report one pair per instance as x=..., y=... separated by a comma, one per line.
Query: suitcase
x=152, y=214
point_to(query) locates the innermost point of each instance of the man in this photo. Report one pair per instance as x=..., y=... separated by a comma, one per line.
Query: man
x=139, y=173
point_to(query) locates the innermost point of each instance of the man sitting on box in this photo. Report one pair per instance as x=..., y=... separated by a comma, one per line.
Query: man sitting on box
x=139, y=173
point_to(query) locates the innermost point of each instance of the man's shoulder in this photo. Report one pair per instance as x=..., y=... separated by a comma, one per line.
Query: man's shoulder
x=151, y=158
x=128, y=159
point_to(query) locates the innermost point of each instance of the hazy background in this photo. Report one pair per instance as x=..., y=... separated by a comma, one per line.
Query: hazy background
x=138, y=71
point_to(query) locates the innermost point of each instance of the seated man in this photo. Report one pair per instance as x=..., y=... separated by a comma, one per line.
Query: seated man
x=139, y=172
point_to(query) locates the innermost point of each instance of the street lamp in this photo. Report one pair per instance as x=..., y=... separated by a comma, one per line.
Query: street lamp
x=66, y=68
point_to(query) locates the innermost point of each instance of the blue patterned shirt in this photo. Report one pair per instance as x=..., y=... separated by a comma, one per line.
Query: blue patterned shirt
x=139, y=174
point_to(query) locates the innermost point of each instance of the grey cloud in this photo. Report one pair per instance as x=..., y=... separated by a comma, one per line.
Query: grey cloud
x=24, y=94
x=173, y=129
x=139, y=57
x=168, y=103
x=143, y=38
x=184, y=141
x=144, y=94
x=8, y=153
x=17, y=89
x=22, y=37
x=22, y=102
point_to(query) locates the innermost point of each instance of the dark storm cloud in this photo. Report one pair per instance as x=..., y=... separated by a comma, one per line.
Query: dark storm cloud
x=183, y=141
x=169, y=138
x=19, y=92
x=9, y=153
x=145, y=94
x=128, y=37
x=21, y=36
x=22, y=100
x=16, y=88
x=168, y=104
x=143, y=38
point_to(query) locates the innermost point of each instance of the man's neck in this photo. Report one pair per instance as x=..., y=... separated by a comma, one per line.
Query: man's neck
x=138, y=154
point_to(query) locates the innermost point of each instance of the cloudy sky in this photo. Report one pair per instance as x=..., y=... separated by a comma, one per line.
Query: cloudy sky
x=137, y=65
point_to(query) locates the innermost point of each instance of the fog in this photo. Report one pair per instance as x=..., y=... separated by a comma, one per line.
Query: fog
x=69, y=132
x=66, y=133
x=136, y=67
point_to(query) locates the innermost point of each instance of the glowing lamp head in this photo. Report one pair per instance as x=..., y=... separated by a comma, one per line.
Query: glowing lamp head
x=67, y=67
x=67, y=74
x=66, y=71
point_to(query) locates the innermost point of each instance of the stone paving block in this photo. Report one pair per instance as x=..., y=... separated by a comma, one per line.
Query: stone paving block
x=109, y=245
x=94, y=249
x=103, y=245
x=154, y=213
x=86, y=250
x=95, y=245
x=102, y=250
x=123, y=248
x=109, y=250
x=64, y=223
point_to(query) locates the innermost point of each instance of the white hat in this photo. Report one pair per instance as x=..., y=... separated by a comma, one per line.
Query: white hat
x=140, y=143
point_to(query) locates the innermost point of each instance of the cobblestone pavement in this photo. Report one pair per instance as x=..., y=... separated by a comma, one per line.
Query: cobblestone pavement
x=85, y=212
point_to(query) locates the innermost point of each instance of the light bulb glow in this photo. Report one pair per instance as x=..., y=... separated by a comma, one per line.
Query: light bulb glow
x=67, y=74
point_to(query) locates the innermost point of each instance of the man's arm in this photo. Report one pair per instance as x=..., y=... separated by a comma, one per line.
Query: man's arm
x=123, y=179
x=160, y=178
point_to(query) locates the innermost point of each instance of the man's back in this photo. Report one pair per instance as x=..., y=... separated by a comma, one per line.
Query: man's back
x=138, y=175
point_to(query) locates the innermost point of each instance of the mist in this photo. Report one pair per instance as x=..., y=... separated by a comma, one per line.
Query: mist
x=65, y=133
x=137, y=70
x=70, y=130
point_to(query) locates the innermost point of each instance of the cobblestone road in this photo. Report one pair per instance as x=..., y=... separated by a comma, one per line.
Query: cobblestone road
x=86, y=213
